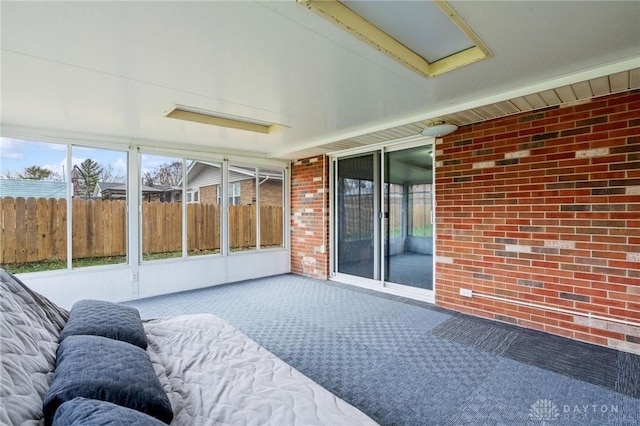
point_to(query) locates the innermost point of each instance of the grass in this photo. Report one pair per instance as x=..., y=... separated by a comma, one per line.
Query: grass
x=53, y=264
x=157, y=256
x=422, y=231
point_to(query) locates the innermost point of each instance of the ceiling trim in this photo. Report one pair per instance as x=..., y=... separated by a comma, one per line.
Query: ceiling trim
x=602, y=71
x=477, y=53
x=350, y=21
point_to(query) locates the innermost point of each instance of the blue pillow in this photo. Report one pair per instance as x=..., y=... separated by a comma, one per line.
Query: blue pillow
x=81, y=411
x=96, y=367
x=107, y=319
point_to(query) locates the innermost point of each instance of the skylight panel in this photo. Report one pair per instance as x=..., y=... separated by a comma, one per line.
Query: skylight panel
x=427, y=36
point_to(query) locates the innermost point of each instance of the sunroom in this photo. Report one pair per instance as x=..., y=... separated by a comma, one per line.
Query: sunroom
x=482, y=157
x=285, y=90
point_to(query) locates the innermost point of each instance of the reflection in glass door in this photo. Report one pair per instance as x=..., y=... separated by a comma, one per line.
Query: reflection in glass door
x=408, y=212
x=356, y=216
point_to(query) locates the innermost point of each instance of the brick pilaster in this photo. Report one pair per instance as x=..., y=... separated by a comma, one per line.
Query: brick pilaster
x=310, y=217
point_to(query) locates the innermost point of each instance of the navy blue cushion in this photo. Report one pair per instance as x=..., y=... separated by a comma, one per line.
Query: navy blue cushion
x=81, y=411
x=96, y=367
x=107, y=319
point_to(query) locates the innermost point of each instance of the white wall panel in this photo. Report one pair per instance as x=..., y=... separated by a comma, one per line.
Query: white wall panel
x=112, y=283
x=118, y=283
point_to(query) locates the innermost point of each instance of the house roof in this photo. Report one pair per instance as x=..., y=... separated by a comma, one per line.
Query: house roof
x=121, y=187
x=197, y=167
x=106, y=186
x=278, y=62
x=32, y=188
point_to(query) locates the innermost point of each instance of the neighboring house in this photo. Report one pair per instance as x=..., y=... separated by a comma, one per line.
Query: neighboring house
x=203, y=185
x=28, y=188
x=118, y=191
x=110, y=191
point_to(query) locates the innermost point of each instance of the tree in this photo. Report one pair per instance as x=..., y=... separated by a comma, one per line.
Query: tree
x=38, y=173
x=109, y=175
x=85, y=177
x=163, y=176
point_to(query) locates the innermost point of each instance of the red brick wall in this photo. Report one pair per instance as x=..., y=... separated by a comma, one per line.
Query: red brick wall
x=208, y=194
x=309, y=217
x=271, y=193
x=247, y=191
x=544, y=208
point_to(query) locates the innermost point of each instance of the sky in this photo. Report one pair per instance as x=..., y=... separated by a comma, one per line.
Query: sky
x=16, y=155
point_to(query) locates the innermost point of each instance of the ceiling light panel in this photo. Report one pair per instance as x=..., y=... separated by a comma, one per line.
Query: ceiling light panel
x=195, y=115
x=428, y=37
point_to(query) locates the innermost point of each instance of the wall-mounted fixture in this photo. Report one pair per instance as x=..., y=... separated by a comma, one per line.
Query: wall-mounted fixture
x=181, y=112
x=439, y=128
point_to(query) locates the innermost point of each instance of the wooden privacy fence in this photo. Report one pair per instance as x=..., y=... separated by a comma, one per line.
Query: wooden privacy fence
x=162, y=227
x=33, y=229
x=357, y=218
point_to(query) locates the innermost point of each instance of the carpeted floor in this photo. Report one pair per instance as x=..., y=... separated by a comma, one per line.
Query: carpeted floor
x=410, y=363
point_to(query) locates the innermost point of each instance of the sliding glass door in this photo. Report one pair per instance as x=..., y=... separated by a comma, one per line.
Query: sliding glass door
x=383, y=218
x=356, y=216
x=408, y=227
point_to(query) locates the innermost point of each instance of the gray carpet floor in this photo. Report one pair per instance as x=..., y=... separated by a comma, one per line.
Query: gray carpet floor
x=405, y=362
x=412, y=269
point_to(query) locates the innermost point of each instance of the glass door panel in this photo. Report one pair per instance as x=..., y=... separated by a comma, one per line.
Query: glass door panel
x=356, y=216
x=408, y=212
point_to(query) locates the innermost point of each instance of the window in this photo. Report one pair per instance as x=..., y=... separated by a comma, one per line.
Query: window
x=36, y=214
x=256, y=208
x=234, y=194
x=65, y=206
x=99, y=205
x=192, y=196
x=242, y=212
x=33, y=206
x=161, y=220
x=203, y=209
x=271, y=190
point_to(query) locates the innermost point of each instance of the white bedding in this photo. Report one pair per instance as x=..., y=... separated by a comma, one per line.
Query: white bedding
x=214, y=374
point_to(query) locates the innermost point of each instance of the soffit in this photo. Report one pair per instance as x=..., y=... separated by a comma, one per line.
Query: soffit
x=601, y=86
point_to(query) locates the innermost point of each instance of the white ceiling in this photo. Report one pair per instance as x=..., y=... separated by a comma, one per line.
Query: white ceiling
x=109, y=70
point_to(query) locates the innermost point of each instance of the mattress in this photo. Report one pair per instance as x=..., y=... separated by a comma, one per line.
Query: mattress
x=215, y=374
x=211, y=372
